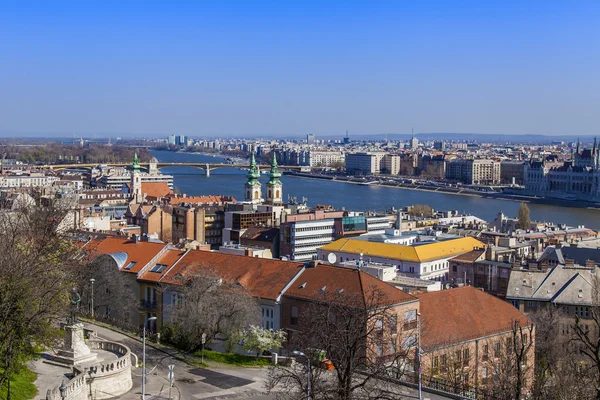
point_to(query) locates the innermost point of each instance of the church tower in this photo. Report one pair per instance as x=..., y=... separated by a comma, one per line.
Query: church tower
x=136, y=180
x=253, y=191
x=274, y=186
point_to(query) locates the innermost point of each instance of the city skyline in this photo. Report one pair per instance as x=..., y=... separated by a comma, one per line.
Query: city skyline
x=266, y=69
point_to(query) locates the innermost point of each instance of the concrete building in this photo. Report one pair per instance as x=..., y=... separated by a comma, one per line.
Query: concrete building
x=474, y=172
x=390, y=164
x=321, y=158
x=27, y=180
x=249, y=251
x=364, y=163
x=426, y=260
x=570, y=288
x=154, y=221
x=203, y=224
x=512, y=172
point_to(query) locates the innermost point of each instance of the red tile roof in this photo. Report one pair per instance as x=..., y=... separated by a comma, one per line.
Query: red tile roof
x=264, y=278
x=155, y=190
x=168, y=258
x=141, y=253
x=334, y=279
x=463, y=314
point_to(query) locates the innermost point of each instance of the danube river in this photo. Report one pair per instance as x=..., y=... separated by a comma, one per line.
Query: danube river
x=230, y=182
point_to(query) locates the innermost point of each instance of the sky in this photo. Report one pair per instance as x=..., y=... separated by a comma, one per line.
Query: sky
x=234, y=68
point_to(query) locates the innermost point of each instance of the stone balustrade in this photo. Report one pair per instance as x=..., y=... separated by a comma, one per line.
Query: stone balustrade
x=102, y=380
x=76, y=390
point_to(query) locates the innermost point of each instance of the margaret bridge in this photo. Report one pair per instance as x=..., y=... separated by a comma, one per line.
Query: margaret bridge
x=207, y=167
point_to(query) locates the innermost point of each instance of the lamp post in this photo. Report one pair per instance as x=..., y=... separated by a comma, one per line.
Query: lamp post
x=63, y=390
x=299, y=353
x=419, y=352
x=92, y=280
x=144, y=357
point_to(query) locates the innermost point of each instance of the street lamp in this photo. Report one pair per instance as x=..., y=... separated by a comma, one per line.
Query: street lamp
x=301, y=354
x=92, y=280
x=419, y=352
x=144, y=357
x=63, y=390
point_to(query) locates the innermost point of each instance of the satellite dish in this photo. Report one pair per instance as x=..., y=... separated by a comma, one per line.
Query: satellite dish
x=331, y=258
x=448, y=286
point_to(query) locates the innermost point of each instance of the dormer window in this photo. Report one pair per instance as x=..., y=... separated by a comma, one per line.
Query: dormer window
x=158, y=268
x=130, y=265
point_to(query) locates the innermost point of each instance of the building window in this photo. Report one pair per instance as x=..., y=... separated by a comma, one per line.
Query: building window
x=393, y=324
x=486, y=349
x=379, y=349
x=294, y=316
x=410, y=316
x=268, y=320
x=484, y=372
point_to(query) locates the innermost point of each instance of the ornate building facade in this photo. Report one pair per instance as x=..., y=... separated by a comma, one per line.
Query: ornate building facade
x=577, y=179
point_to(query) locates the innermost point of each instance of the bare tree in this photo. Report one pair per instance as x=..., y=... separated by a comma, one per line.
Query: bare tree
x=558, y=372
x=213, y=307
x=362, y=337
x=34, y=282
x=585, y=336
x=113, y=290
x=513, y=365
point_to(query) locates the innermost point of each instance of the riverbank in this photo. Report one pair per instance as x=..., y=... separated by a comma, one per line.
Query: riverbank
x=451, y=190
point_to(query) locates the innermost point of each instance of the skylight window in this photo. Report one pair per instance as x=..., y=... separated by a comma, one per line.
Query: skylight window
x=130, y=265
x=158, y=268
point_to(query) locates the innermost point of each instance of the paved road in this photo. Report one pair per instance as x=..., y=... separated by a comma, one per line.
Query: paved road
x=193, y=383
x=190, y=382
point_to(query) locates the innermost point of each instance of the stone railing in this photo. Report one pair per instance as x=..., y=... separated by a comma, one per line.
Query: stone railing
x=101, y=380
x=76, y=389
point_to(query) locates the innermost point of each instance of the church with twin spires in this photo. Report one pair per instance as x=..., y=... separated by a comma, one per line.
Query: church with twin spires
x=253, y=188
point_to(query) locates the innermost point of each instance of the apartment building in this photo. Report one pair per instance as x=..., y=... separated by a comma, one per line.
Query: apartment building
x=364, y=163
x=390, y=164
x=424, y=260
x=474, y=172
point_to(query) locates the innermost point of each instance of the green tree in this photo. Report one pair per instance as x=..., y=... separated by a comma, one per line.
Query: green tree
x=524, y=220
x=34, y=283
x=258, y=339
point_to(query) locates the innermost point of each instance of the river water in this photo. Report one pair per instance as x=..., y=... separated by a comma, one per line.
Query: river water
x=230, y=182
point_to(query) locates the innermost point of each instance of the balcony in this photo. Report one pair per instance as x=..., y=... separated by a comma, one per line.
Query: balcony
x=148, y=304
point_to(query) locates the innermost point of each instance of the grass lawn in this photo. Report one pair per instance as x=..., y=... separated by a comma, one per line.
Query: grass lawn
x=21, y=386
x=239, y=360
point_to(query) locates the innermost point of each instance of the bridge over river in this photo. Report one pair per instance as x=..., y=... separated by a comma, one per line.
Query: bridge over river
x=207, y=167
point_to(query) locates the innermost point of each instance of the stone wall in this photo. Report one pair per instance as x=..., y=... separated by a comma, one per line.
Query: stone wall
x=76, y=389
x=102, y=380
x=113, y=378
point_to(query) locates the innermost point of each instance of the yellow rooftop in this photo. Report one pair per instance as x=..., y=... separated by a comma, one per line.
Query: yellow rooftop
x=425, y=252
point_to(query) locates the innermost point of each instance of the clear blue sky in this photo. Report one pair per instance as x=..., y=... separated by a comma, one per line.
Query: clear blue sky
x=283, y=67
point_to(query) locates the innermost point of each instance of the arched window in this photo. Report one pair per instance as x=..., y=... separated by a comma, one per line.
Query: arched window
x=277, y=194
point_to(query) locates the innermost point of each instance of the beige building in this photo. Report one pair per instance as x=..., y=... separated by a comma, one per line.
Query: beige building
x=390, y=164
x=474, y=172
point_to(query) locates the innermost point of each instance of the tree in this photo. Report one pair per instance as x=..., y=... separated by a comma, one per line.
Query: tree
x=524, y=220
x=213, y=307
x=585, y=337
x=420, y=210
x=513, y=371
x=114, y=294
x=558, y=372
x=34, y=282
x=260, y=340
x=363, y=339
